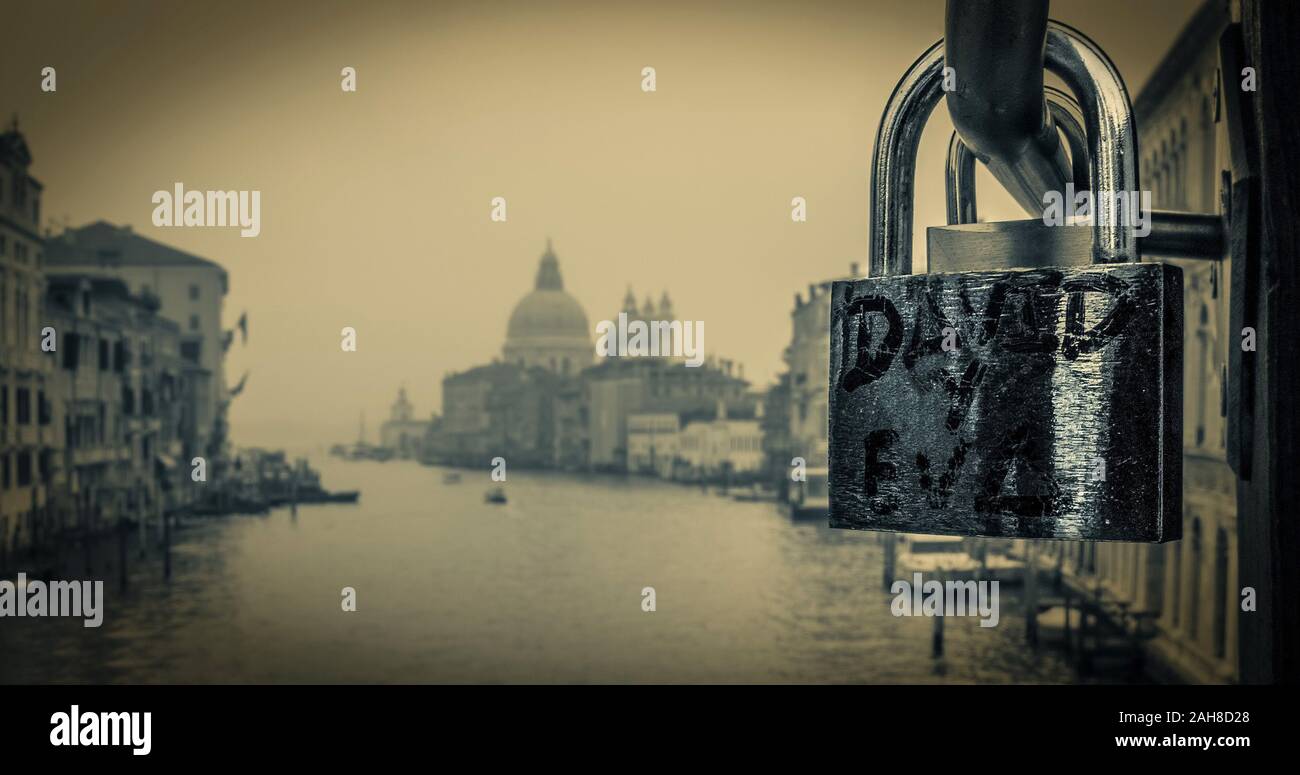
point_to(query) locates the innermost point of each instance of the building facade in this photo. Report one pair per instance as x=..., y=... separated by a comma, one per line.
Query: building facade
x=545, y=404
x=778, y=446
x=1188, y=589
x=122, y=405
x=497, y=410
x=808, y=362
x=1190, y=585
x=726, y=447
x=652, y=443
x=402, y=433
x=190, y=291
x=617, y=388
x=29, y=442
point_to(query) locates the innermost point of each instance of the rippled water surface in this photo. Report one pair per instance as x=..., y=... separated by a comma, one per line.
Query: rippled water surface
x=545, y=588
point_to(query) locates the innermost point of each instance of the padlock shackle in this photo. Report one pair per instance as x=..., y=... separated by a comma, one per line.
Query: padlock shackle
x=959, y=177
x=959, y=182
x=1110, y=129
x=893, y=168
x=1108, y=125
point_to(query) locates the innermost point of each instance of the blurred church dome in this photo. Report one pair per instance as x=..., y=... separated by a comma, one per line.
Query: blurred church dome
x=548, y=327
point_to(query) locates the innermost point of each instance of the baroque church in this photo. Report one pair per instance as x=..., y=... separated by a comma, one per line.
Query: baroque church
x=548, y=327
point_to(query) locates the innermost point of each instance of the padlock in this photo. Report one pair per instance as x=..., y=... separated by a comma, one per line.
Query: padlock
x=965, y=244
x=1037, y=402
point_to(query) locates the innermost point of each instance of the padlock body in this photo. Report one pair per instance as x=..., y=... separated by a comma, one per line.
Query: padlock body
x=1036, y=403
x=1025, y=244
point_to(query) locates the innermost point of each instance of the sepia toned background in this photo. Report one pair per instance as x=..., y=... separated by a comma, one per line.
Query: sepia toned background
x=375, y=215
x=375, y=204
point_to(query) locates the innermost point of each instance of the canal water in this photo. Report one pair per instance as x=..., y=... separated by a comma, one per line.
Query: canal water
x=546, y=588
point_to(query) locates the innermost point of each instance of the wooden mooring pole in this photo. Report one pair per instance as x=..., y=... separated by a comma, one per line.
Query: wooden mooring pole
x=121, y=550
x=167, y=546
x=936, y=641
x=1031, y=592
x=891, y=544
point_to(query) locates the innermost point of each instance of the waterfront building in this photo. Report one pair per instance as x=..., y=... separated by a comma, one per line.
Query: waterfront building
x=528, y=406
x=29, y=442
x=569, y=412
x=545, y=404
x=169, y=398
x=652, y=443
x=402, y=433
x=778, y=447
x=807, y=359
x=190, y=290
x=497, y=410
x=548, y=327
x=725, y=447
x=121, y=404
x=617, y=388
x=700, y=445
x=462, y=434
x=620, y=387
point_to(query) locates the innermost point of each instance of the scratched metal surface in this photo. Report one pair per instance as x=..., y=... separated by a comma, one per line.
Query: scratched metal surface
x=1058, y=414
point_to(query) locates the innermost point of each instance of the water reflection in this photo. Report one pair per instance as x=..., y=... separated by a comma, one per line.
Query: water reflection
x=544, y=588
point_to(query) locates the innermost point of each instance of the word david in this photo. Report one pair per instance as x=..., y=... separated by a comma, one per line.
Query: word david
x=651, y=337
x=76, y=728
x=58, y=598
x=953, y=598
x=209, y=209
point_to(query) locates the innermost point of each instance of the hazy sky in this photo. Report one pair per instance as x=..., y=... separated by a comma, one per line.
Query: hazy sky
x=375, y=204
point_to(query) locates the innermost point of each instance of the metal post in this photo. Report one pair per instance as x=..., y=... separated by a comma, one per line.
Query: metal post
x=1269, y=535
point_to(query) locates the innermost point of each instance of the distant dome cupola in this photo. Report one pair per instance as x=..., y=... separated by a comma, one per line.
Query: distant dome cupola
x=548, y=327
x=548, y=272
